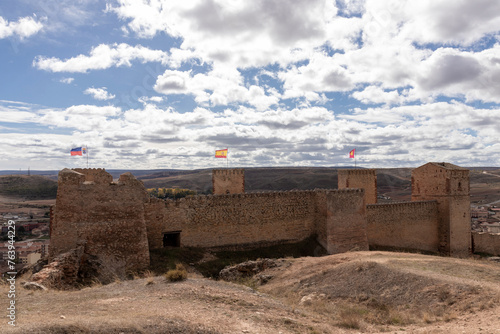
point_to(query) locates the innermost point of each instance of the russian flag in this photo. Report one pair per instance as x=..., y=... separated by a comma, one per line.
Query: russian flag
x=77, y=151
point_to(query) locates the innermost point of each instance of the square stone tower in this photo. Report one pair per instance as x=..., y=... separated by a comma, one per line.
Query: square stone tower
x=449, y=186
x=228, y=181
x=360, y=178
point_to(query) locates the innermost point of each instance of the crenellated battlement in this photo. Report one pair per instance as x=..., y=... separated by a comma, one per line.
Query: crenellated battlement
x=231, y=171
x=259, y=194
x=96, y=175
x=68, y=177
x=358, y=171
x=228, y=181
x=402, y=205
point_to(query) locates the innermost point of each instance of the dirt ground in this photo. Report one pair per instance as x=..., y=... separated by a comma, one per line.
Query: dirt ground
x=22, y=206
x=359, y=292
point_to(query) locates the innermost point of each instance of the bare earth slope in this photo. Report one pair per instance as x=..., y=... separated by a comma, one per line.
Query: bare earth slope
x=368, y=292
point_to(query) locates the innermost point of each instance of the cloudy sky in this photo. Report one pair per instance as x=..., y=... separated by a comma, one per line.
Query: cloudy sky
x=164, y=83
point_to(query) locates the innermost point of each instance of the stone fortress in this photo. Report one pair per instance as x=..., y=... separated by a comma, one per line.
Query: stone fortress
x=116, y=223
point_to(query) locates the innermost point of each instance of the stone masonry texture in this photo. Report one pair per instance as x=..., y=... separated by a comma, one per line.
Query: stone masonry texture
x=360, y=178
x=228, y=181
x=117, y=223
x=449, y=186
x=407, y=225
x=106, y=218
x=486, y=243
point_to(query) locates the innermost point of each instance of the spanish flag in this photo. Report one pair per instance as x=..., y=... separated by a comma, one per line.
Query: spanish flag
x=221, y=153
x=351, y=154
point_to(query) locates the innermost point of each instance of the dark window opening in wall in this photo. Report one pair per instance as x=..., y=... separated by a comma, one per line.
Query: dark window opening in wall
x=172, y=239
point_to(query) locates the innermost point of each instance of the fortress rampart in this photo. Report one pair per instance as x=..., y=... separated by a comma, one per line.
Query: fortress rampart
x=486, y=243
x=117, y=223
x=405, y=225
x=256, y=218
x=242, y=218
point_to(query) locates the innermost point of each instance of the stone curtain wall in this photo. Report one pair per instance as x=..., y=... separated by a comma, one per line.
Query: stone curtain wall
x=407, y=225
x=345, y=221
x=486, y=243
x=240, y=219
x=335, y=216
x=320, y=224
x=360, y=178
x=106, y=218
x=228, y=181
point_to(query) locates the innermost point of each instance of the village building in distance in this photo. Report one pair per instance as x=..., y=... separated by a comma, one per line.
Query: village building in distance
x=33, y=244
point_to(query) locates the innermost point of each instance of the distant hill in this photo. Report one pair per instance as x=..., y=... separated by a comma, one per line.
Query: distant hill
x=391, y=182
x=274, y=179
x=256, y=179
x=29, y=187
x=394, y=183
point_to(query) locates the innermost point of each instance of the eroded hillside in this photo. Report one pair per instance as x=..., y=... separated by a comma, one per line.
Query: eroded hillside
x=370, y=292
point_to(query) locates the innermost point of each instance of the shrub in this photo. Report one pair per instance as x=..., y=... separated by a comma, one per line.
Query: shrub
x=177, y=274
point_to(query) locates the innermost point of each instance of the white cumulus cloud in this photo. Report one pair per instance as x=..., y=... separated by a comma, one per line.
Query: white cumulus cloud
x=221, y=86
x=23, y=28
x=102, y=57
x=99, y=93
x=67, y=80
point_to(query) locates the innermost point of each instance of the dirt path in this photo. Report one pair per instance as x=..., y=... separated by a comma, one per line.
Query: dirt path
x=362, y=292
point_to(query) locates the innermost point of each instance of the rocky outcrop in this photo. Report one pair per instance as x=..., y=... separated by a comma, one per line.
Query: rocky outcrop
x=62, y=272
x=34, y=286
x=247, y=269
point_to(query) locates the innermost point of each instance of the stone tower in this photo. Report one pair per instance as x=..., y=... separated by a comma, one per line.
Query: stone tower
x=449, y=186
x=360, y=178
x=102, y=218
x=228, y=181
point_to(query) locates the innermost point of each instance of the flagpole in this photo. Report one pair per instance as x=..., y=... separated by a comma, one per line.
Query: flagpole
x=227, y=157
x=87, y=149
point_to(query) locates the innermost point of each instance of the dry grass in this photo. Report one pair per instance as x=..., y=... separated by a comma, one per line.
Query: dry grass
x=193, y=306
x=350, y=318
x=354, y=292
x=148, y=274
x=386, y=289
x=177, y=274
